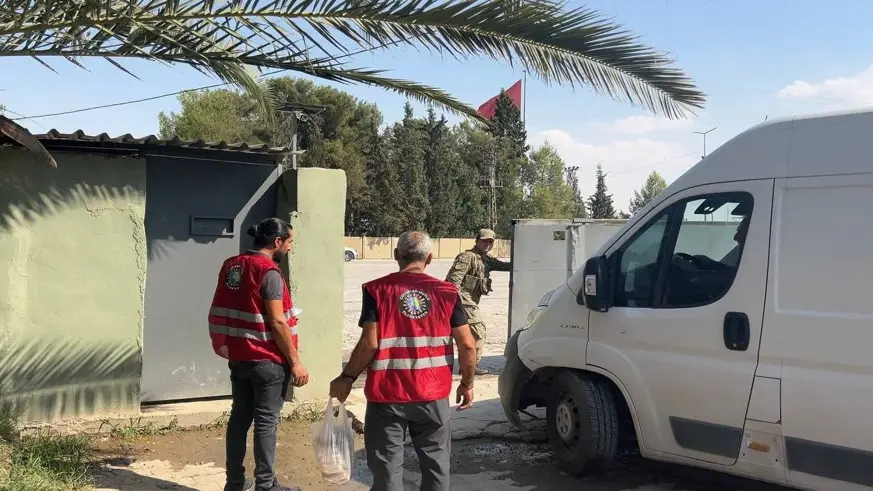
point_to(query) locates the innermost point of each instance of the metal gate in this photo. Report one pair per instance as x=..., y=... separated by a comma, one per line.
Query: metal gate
x=197, y=213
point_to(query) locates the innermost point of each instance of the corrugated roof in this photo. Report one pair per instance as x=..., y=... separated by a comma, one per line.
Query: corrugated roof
x=54, y=139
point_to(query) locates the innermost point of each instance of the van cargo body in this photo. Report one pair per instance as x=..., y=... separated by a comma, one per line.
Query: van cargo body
x=727, y=325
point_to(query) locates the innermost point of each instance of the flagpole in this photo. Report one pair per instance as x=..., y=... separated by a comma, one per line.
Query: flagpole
x=524, y=97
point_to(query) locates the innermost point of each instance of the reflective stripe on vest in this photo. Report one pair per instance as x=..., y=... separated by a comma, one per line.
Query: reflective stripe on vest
x=237, y=321
x=240, y=315
x=237, y=332
x=404, y=363
x=414, y=359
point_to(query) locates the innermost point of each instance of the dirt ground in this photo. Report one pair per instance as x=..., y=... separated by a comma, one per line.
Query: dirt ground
x=477, y=464
x=295, y=460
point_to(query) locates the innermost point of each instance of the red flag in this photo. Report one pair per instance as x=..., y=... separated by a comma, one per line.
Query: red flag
x=488, y=109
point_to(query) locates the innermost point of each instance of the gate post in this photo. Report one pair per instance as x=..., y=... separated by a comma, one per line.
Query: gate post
x=313, y=200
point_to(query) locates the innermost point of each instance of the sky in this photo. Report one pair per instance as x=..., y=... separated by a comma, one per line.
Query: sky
x=753, y=59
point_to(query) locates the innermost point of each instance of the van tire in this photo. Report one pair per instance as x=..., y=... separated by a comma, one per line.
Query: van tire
x=582, y=420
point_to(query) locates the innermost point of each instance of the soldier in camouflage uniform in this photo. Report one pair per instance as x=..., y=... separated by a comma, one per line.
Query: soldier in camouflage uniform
x=471, y=273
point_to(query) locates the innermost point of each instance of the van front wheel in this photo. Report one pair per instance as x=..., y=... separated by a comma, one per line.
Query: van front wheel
x=582, y=422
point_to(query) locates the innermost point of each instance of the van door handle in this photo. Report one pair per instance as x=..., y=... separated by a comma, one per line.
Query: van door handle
x=736, y=331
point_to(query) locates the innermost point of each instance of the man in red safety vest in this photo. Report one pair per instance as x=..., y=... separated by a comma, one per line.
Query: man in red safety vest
x=409, y=320
x=253, y=325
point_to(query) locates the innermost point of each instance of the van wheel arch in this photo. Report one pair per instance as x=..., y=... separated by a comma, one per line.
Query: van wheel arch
x=539, y=389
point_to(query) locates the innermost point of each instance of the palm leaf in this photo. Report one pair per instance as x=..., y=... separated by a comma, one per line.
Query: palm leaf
x=327, y=70
x=558, y=45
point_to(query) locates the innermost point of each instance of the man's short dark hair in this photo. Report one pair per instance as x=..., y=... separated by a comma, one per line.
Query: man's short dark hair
x=268, y=229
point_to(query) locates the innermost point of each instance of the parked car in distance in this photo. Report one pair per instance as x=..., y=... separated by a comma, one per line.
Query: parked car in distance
x=350, y=254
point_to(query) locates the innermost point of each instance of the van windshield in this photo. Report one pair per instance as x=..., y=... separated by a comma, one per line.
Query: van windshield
x=706, y=245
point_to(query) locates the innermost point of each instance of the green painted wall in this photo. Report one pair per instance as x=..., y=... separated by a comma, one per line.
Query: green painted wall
x=314, y=202
x=72, y=282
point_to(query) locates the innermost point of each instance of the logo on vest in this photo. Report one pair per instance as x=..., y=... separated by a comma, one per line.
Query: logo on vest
x=233, y=278
x=414, y=304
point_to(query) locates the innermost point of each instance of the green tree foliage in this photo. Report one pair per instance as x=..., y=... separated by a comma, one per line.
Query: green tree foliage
x=406, y=141
x=507, y=124
x=653, y=186
x=509, y=152
x=211, y=115
x=443, y=168
x=600, y=203
x=579, y=208
x=417, y=173
x=549, y=194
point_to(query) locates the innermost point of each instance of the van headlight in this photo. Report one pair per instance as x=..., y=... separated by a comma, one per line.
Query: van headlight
x=542, y=305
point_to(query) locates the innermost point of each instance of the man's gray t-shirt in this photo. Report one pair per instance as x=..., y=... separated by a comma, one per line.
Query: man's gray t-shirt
x=272, y=286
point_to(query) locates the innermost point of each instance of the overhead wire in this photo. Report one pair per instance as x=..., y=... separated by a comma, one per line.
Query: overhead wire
x=179, y=92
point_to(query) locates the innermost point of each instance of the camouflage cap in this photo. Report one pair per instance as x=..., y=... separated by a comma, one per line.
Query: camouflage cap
x=485, y=233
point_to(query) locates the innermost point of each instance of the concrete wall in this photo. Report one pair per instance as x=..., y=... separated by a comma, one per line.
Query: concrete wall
x=72, y=280
x=73, y=258
x=314, y=202
x=445, y=248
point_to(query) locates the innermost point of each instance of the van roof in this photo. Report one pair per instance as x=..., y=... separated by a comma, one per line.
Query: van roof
x=809, y=145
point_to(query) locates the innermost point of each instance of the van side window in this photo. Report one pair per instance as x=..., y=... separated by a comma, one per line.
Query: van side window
x=708, y=248
x=638, y=266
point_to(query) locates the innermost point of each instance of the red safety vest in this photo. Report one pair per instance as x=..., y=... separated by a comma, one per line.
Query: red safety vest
x=236, y=318
x=416, y=355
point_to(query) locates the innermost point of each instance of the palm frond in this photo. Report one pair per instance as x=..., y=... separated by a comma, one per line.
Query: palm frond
x=568, y=46
x=413, y=90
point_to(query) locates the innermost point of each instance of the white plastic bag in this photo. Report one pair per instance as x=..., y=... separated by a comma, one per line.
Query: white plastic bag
x=334, y=443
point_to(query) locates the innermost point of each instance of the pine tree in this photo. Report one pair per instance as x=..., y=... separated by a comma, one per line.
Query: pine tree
x=507, y=124
x=382, y=215
x=407, y=152
x=442, y=168
x=652, y=188
x=600, y=203
x=474, y=151
x=510, y=152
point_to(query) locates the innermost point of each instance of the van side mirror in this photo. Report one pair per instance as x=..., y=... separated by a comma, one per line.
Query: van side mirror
x=595, y=285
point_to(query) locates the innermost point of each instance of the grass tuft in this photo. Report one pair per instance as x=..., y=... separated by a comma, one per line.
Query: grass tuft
x=306, y=412
x=137, y=428
x=9, y=417
x=46, y=461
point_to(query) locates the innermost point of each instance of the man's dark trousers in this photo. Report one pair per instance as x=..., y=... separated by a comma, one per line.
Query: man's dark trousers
x=259, y=390
x=428, y=423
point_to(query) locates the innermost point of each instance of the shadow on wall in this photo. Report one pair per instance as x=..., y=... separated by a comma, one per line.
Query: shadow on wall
x=205, y=201
x=73, y=265
x=53, y=377
x=31, y=191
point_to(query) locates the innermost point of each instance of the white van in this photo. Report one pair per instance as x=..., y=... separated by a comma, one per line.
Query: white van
x=728, y=325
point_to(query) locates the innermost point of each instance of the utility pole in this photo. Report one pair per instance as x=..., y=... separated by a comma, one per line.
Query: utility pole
x=295, y=113
x=704, y=133
x=490, y=183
